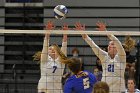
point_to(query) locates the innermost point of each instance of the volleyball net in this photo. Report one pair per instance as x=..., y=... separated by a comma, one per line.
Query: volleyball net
x=20, y=45
x=123, y=33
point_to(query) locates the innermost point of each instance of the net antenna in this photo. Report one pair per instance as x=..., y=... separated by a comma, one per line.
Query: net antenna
x=120, y=33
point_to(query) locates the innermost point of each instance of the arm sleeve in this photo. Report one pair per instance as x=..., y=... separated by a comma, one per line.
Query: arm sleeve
x=44, y=54
x=120, y=49
x=98, y=51
x=68, y=87
x=93, y=78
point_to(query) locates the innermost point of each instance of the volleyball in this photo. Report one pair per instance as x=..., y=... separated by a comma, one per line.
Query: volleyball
x=60, y=11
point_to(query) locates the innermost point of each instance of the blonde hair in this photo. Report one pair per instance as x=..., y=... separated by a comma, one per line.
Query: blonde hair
x=74, y=64
x=101, y=87
x=37, y=55
x=59, y=52
x=129, y=44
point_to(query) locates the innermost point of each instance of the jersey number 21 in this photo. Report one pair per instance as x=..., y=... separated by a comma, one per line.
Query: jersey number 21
x=111, y=68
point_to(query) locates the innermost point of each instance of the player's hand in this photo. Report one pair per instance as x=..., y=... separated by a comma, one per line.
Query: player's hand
x=101, y=26
x=79, y=26
x=65, y=27
x=49, y=25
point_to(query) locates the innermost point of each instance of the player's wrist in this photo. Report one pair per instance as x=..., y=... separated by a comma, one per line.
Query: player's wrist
x=47, y=37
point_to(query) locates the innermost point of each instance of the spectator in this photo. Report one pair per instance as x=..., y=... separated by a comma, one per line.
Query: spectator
x=101, y=87
x=131, y=86
x=98, y=64
x=75, y=54
x=129, y=45
x=98, y=74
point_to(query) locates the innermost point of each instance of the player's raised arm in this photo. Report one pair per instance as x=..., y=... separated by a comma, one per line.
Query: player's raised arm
x=98, y=51
x=64, y=41
x=44, y=55
x=118, y=45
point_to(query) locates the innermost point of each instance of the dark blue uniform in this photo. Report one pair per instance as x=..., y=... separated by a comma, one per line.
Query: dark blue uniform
x=81, y=83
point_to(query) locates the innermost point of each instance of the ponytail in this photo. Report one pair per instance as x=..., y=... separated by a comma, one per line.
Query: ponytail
x=60, y=53
x=37, y=56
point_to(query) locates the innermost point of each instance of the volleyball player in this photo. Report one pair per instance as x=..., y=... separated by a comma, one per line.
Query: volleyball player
x=50, y=65
x=113, y=61
x=81, y=81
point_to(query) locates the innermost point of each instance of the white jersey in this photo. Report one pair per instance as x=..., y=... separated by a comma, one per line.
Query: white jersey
x=51, y=74
x=136, y=91
x=113, y=69
x=113, y=73
x=51, y=70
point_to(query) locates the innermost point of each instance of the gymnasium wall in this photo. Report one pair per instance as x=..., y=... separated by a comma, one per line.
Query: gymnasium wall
x=119, y=15
x=2, y=23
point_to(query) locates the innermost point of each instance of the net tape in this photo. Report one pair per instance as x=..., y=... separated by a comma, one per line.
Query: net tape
x=132, y=33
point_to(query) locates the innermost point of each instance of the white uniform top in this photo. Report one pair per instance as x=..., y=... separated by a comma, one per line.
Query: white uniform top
x=136, y=91
x=51, y=74
x=113, y=69
x=51, y=71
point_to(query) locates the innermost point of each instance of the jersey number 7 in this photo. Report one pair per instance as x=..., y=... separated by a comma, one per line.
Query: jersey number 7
x=54, y=69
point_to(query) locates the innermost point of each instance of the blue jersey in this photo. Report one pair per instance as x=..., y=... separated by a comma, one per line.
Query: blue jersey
x=80, y=84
